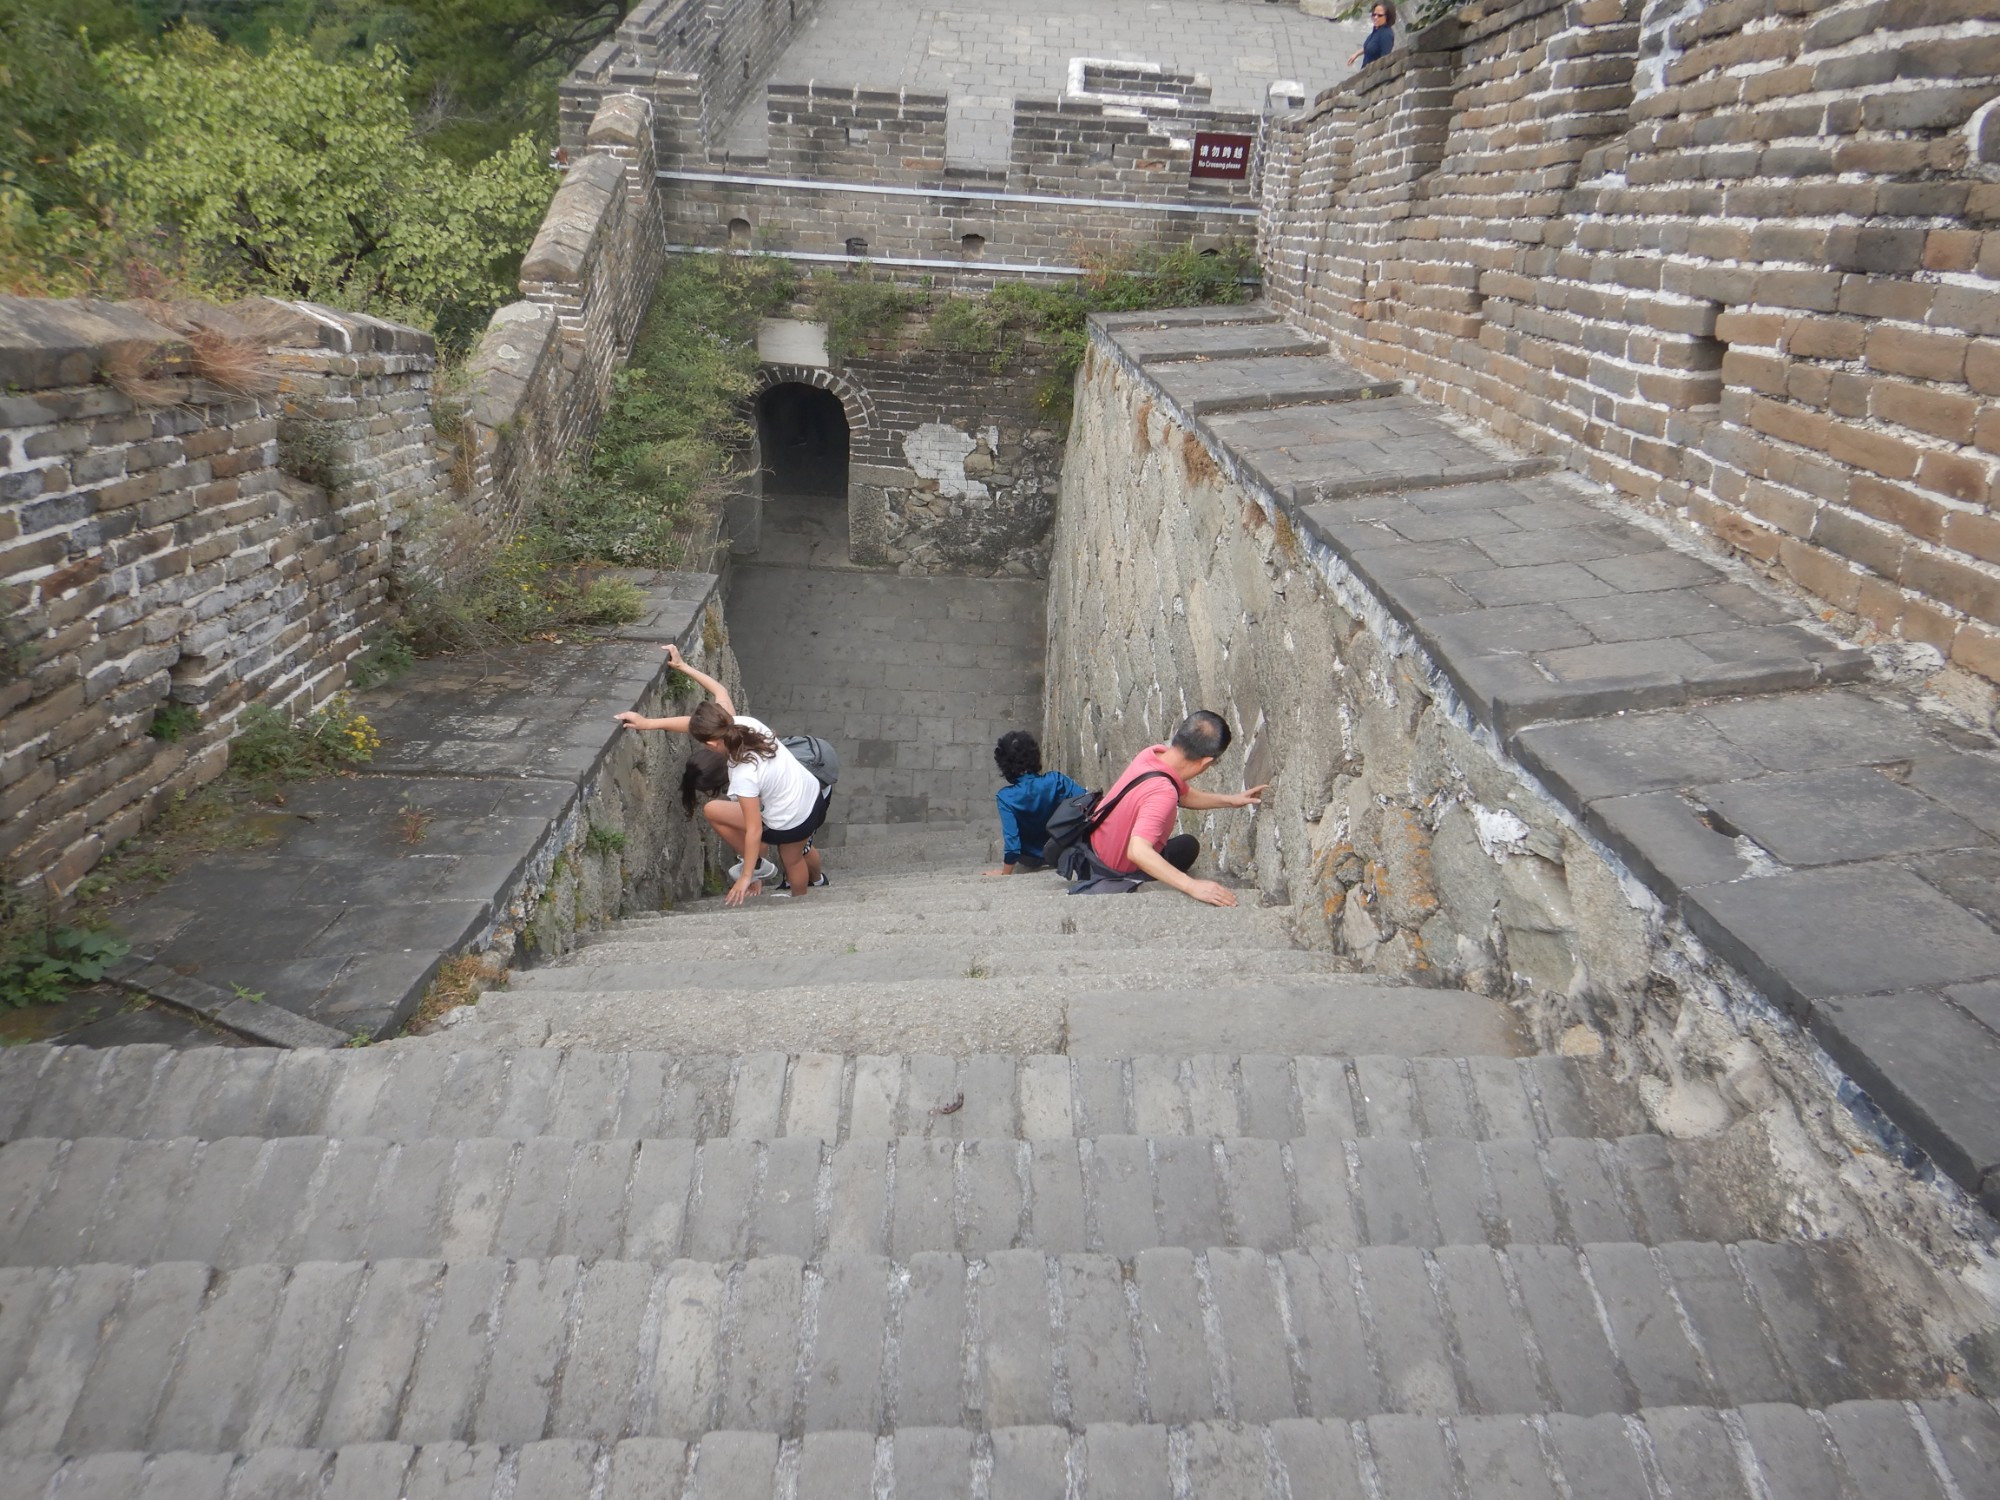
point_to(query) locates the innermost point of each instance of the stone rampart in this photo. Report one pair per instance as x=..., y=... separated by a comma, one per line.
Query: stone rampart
x=159, y=552
x=1733, y=258
x=166, y=539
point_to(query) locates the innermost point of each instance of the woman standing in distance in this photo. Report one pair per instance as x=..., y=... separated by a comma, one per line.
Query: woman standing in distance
x=1382, y=39
x=772, y=798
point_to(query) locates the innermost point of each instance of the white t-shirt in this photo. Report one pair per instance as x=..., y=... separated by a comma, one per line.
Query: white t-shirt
x=786, y=791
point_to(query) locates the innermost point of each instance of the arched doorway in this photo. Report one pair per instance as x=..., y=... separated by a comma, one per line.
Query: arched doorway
x=802, y=441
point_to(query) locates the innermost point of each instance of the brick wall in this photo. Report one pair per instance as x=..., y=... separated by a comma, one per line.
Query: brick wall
x=151, y=549
x=154, y=548
x=1733, y=257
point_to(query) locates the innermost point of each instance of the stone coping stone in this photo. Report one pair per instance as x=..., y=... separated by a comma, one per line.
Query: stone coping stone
x=46, y=343
x=1262, y=383
x=1166, y=344
x=336, y=925
x=1833, y=842
x=1185, y=317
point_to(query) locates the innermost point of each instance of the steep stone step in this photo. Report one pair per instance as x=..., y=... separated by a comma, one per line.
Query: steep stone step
x=418, y=1089
x=913, y=959
x=103, y=1358
x=1161, y=918
x=663, y=942
x=1855, y=1448
x=242, y=1201
x=1080, y=1014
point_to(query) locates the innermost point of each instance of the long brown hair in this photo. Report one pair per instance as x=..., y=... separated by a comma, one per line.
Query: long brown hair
x=709, y=724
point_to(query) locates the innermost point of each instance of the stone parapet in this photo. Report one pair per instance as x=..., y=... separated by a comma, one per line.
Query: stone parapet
x=1521, y=737
x=1733, y=259
x=157, y=554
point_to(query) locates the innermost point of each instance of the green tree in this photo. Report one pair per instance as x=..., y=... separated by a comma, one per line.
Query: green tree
x=290, y=174
x=487, y=69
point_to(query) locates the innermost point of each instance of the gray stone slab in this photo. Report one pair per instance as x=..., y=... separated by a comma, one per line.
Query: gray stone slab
x=1857, y=929
x=1794, y=1459
x=1583, y=762
x=1831, y=817
x=1967, y=1430
x=1016, y=1356
x=449, y=1377
x=1583, y=1370
x=1496, y=1371
x=1696, y=1454
x=217, y=1380
x=1126, y=1462
x=1933, y=1068
x=1818, y=731
x=931, y=1340
x=1666, y=842
x=115, y=1407
x=734, y=1466
x=844, y=1384
x=1411, y=1458
x=762, y=1356
x=1407, y=1332
x=601, y=1368
x=301, y=1355
x=527, y=1348
x=837, y=1466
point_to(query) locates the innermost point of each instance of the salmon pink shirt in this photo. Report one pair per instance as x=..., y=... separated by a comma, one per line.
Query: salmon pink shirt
x=1149, y=812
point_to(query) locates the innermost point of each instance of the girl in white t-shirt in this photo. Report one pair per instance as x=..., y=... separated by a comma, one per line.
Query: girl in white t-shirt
x=773, y=799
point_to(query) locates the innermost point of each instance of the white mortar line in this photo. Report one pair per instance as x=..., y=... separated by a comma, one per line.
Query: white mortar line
x=980, y=195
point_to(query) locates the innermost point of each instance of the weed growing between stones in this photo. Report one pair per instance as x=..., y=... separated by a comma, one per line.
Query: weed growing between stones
x=603, y=841
x=860, y=312
x=1005, y=324
x=272, y=746
x=174, y=721
x=42, y=960
x=381, y=663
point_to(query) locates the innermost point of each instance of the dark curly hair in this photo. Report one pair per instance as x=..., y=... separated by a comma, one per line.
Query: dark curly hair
x=1017, y=755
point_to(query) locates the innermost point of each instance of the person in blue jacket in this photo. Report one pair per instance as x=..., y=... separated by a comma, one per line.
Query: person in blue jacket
x=1026, y=801
x=1382, y=38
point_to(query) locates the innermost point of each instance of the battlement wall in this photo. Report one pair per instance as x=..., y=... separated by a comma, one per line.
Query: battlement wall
x=1735, y=259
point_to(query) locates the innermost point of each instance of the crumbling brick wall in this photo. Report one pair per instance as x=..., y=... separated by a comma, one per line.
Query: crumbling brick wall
x=1734, y=258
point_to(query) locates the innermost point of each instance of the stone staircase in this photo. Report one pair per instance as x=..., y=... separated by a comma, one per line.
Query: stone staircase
x=1041, y=1197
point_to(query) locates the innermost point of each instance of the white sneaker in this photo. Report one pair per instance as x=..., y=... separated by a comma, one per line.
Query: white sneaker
x=765, y=871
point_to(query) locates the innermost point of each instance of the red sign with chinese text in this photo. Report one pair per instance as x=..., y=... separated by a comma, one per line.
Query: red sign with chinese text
x=1217, y=155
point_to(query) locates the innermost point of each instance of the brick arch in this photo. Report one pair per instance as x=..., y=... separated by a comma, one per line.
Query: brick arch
x=853, y=396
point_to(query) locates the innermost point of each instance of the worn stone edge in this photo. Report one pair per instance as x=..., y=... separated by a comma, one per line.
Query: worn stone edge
x=254, y=1020
x=1359, y=594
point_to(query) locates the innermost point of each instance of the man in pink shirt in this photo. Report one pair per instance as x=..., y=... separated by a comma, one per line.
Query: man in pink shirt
x=1138, y=837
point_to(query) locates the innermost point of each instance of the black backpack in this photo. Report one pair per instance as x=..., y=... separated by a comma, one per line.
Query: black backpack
x=816, y=755
x=1076, y=818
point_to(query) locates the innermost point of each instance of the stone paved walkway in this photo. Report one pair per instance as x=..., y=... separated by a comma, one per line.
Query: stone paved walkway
x=985, y=59
x=1821, y=831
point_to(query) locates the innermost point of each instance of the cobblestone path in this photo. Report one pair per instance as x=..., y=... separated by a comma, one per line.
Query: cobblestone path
x=926, y=1185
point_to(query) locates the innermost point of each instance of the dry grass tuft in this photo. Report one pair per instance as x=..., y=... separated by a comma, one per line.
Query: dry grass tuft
x=458, y=981
x=1197, y=462
x=1284, y=533
x=136, y=372
x=1142, y=430
x=233, y=364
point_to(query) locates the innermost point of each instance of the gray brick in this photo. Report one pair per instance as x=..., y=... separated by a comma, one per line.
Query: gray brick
x=115, y=1407
x=923, y=1213
x=1882, y=1449
x=1253, y=1335
x=1501, y=1101
x=1119, y=1185
x=1126, y=1462
x=1968, y=1437
x=1225, y=1461
x=1044, y=1091
x=1664, y=1368
x=685, y=1376
x=1583, y=1371
x=989, y=1088
x=301, y=1355
x=1408, y=1332
x=1694, y=1452
x=358, y=1090
x=1318, y=1459
x=1258, y=1194
x=1726, y=1322
x=279, y=1474
x=369, y=1471
x=410, y=1205
x=1495, y=1367
x=481, y=1172
x=727, y=1177
x=1179, y=1381
x=588, y=1091
x=530, y=1221
x=470, y=1093
x=1388, y=1097
x=58, y=1232
x=274, y=1198
x=1103, y=1104
x=449, y=1376
x=844, y=1384
x=1394, y=1204
x=195, y=1476
x=761, y=1364
x=1325, y=1202
x=1187, y=1192
x=1029, y=1463
x=599, y=1374
x=1326, y=1106
x=783, y=1222
x=1099, y=1354
x=837, y=1466
x=1017, y=1358
x=527, y=1350
x=1596, y=1454
x=933, y=1463
x=857, y=1210
x=1794, y=1459
x=405, y=1108
x=1502, y=1456
x=556, y=1467
x=877, y=1087
x=1588, y=1192
x=990, y=1196
x=1214, y=1107
x=1442, y=1096
x=217, y=1376
x=930, y=1338
x=813, y=1096
x=1645, y=1164
x=1410, y=1457
x=529, y=1092
x=1159, y=1097
x=1809, y=1334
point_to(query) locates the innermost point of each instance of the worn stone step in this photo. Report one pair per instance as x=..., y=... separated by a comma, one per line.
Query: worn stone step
x=102, y=1358
x=1081, y=1014
x=914, y=959
x=242, y=1201
x=860, y=900
x=1851, y=1449
x=423, y=1088
x=663, y=942
x=1158, y=917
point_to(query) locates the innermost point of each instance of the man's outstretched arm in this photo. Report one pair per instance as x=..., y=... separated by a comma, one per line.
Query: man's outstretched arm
x=1195, y=801
x=1154, y=863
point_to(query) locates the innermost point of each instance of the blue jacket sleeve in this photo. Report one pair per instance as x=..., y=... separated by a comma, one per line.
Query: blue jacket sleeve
x=1010, y=831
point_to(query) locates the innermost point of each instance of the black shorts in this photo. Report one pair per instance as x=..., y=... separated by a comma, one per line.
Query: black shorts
x=806, y=829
